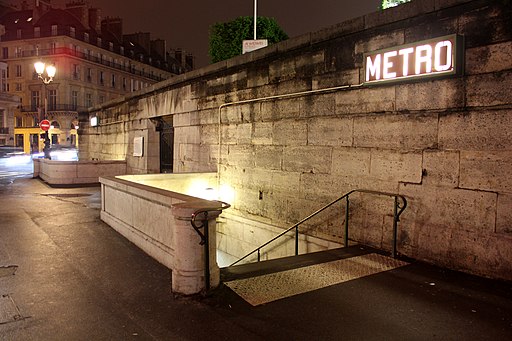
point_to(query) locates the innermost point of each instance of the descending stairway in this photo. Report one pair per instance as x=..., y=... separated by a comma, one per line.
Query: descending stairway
x=267, y=281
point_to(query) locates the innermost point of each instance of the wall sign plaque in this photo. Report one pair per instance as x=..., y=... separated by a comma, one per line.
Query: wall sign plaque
x=429, y=58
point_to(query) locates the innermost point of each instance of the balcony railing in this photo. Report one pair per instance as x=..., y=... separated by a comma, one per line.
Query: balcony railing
x=53, y=108
x=81, y=55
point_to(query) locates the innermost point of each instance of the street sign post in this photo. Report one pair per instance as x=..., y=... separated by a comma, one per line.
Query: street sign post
x=44, y=125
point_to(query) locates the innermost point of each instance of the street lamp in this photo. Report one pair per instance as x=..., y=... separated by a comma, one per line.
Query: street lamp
x=50, y=73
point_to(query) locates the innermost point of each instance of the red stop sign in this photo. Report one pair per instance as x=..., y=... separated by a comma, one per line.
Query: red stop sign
x=44, y=124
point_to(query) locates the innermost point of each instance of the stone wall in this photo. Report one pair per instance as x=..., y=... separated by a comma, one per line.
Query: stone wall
x=292, y=135
x=70, y=173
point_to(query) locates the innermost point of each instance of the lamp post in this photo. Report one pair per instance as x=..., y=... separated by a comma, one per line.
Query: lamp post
x=50, y=73
x=255, y=17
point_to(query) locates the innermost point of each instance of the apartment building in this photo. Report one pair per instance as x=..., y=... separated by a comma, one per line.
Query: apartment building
x=95, y=63
x=8, y=104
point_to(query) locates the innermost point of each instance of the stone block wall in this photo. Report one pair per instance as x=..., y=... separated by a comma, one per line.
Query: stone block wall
x=283, y=129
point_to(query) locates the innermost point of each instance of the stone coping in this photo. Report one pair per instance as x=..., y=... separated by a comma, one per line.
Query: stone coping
x=82, y=172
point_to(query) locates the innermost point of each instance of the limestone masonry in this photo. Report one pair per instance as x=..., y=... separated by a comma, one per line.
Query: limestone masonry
x=291, y=127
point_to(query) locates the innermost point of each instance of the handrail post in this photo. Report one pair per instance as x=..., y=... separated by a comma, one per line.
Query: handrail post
x=297, y=240
x=206, y=253
x=395, y=226
x=346, y=222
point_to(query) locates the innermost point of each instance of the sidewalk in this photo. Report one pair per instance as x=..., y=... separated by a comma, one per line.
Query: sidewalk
x=77, y=279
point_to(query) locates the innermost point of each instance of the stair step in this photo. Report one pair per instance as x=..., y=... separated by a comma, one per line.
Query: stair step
x=275, y=285
x=292, y=262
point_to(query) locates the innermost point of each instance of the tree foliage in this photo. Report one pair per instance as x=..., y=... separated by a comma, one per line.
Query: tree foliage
x=226, y=38
x=392, y=3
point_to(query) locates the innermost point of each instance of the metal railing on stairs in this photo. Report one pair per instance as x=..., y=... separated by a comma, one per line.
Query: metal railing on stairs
x=398, y=209
x=202, y=217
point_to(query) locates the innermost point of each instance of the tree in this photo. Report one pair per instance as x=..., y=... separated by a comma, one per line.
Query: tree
x=392, y=3
x=226, y=38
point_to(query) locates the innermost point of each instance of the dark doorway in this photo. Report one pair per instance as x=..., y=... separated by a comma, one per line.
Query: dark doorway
x=34, y=143
x=55, y=139
x=166, y=129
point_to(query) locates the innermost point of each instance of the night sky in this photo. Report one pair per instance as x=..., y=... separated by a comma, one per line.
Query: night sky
x=185, y=23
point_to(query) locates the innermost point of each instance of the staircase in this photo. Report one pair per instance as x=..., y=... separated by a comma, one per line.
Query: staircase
x=267, y=281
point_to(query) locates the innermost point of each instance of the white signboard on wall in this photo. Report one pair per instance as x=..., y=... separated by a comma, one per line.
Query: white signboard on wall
x=138, y=146
x=251, y=45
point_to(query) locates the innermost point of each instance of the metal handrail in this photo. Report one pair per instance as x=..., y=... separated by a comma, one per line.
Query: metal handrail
x=204, y=220
x=398, y=210
x=205, y=238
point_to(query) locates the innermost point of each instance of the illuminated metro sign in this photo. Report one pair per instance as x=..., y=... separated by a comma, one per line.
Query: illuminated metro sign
x=429, y=58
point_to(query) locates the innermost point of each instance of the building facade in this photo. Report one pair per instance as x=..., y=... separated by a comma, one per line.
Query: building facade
x=95, y=63
x=8, y=104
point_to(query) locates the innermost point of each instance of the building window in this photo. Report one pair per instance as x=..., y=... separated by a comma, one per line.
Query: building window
x=86, y=37
x=76, y=72
x=2, y=118
x=113, y=81
x=4, y=80
x=19, y=122
x=74, y=100
x=18, y=70
x=111, y=46
x=18, y=33
x=72, y=31
x=53, y=47
x=37, y=32
x=101, y=99
x=88, y=100
x=18, y=87
x=34, y=100
x=18, y=52
x=89, y=74
x=54, y=30
x=121, y=50
x=52, y=100
x=124, y=83
x=101, y=78
x=98, y=41
x=5, y=52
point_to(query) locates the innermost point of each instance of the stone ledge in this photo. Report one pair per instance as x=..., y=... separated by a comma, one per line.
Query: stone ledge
x=76, y=172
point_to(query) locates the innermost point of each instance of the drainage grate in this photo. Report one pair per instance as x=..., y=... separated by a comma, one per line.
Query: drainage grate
x=9, y=311
x=8, y=270
x=68, y=195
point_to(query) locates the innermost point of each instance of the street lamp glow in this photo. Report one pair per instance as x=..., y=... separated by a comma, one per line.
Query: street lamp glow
x=39, y=66
x=50, y=71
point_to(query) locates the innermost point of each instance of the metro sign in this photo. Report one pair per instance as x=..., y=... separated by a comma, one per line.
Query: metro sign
x=430, y=58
